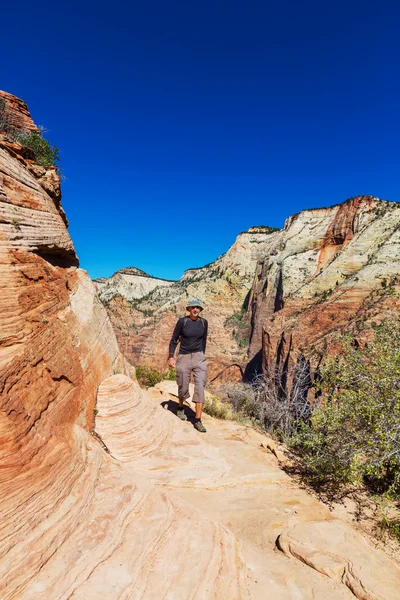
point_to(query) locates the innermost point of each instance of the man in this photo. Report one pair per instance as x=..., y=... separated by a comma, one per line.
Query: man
x=191, y=332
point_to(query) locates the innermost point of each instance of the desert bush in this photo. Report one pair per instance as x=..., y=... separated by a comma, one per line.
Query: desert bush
x=216, y=408
x=354, y=432
x=392, y=526
x=269, y=402
x=279, y=402
x=239, y=396
x=45, y=154
x=148, y=377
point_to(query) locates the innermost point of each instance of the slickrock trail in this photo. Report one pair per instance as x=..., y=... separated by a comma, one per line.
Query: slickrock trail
x=288, y=545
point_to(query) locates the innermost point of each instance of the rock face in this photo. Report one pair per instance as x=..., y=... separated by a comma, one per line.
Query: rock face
x=144, y=326
x=15, y=112
x=130, y=283
x=331, y=269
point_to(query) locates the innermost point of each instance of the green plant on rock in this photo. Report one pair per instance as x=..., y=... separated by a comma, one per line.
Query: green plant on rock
x=15, y=223
x=171, y=374
x=214, y=407
x=393, y=527
x=46, y=155
x=354, y=433
x=148, y=377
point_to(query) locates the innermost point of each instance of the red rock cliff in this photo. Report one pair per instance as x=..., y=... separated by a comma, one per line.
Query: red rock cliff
x=331, y=269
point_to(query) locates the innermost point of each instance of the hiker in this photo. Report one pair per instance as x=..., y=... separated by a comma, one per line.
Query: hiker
x=191, y=332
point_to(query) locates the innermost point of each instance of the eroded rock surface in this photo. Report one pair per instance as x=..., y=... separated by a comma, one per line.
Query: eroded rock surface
x=229, y=476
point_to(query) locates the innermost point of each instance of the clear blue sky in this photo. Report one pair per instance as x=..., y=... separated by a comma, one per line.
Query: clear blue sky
x=181, y=124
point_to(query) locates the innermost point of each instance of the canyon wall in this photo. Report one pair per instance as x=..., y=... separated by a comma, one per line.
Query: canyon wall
x=274, y=294
x=331, y=270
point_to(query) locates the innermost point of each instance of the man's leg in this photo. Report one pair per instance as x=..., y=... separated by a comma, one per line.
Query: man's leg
x=199, y=409
x=183, y=365
x=199, y=367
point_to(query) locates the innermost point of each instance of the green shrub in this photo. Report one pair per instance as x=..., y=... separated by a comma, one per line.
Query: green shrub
x=216, y=408
x=240, y=328
x=148, y=377
x=393, y=527
x=354, y=434
x=45, y=154
x=239, y=396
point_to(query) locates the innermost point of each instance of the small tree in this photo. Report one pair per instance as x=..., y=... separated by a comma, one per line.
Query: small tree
x=355, y=430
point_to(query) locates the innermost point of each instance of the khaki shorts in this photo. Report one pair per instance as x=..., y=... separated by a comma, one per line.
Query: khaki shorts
x=186, y=364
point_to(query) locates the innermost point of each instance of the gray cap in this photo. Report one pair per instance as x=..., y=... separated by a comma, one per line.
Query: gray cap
x=194, y=302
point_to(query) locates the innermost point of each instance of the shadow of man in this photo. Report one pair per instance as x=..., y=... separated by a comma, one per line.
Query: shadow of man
x=173, y=407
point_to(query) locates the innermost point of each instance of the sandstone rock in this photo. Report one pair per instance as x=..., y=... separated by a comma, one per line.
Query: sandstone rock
x=130, y=283
x=170, y=389
x=336, y=550
x=230, y=479
x=154, y=510
x=16, y=112
x=331, y=269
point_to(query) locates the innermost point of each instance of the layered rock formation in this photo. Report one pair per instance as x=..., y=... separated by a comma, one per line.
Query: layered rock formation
x=15, y=113
x=144, y=322
x=130, y=283
x=331, y=269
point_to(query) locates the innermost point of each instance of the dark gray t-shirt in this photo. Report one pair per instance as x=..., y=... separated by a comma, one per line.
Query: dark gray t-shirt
x=191, y=334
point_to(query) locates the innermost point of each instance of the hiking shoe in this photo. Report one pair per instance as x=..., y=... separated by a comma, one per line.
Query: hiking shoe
x=200, y=427
x=180, y=413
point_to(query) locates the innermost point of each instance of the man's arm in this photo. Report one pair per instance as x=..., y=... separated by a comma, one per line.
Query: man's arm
x=205, y=335
x=174, y=341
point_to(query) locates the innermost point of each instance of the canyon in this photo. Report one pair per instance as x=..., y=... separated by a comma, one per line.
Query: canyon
x=104, y=492
x=143, y=323
x=275, y=294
